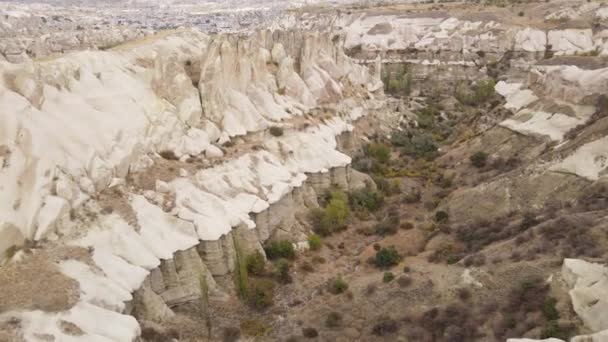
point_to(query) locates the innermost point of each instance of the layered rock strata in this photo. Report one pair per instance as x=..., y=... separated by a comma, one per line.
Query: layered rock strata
x=82, y=140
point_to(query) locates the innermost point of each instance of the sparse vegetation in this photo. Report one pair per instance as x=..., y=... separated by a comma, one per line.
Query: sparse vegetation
x=261, y=293
x=276, y=131
x=388, y=277
x=333, y=217
x=366, y=199
x=416, y=144
x=255, y=263
x=280, y=249
x=315, y=242
x=337, y=285
x=282, y=271
x=478, y=94
x=441, y=216
x=478, y=159
x=397, y=80
x=385, y=326
x=386, y=257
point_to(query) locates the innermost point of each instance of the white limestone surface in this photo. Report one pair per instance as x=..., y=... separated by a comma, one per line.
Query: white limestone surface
x=588, y=161
x=76, y=125
x=551, y=125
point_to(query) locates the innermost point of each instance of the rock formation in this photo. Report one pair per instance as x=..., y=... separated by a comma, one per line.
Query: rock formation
x=83, y=135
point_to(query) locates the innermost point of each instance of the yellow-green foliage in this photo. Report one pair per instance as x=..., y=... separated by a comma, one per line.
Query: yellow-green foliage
x=333, y=217
x=380, y=152
x=315, y=242
x=241, y=276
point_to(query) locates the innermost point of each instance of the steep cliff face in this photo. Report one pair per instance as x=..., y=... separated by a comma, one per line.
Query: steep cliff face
x=121, y=153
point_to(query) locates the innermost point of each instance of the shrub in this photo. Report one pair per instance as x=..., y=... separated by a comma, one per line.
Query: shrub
x=386, y=257
x=441, y=216
x=407, y=225
x=282, y=271
x=366, y=199
x=380, y=152
x=385, y=326
x=315, y=242
x=553, y=329
x=310, y=332
x=280, y=249
x=168, y=154
x=415, y=144
x=337, y=285
x=333, y=217
x=261, y=293
x=276, y=131
x=549, y=309
x=240, y=275
x=388, y=277
x=334, y=319
x=521, y=13
x=255, y=263
x=478, y=159
x=387, y=226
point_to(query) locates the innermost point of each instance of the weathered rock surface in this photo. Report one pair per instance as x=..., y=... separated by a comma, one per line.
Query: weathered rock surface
x=147, y=99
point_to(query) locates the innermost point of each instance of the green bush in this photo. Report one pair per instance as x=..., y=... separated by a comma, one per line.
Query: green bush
x=337, y=285
x=386, y=257
x=315, y=242
x=415, y=144
x=240, y=275
x=441, y=216
x=366, y=199
x=387, y=226
x=388, y=277
x=380, y=152
x=280, y=249
x=276, y=131
x=282, y=271
x=255, y=263
x=261, y=293
x=479, y=159
x=426, y=117
x=333, y=217
x=549, y=309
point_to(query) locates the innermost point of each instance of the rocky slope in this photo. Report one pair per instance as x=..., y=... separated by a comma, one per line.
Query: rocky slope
x=113, y=163
x=137, y=179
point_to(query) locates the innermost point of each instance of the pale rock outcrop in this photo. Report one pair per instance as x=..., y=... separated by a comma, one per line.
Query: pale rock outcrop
x=530, y=40
x=570, y=41
x=588, y=284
